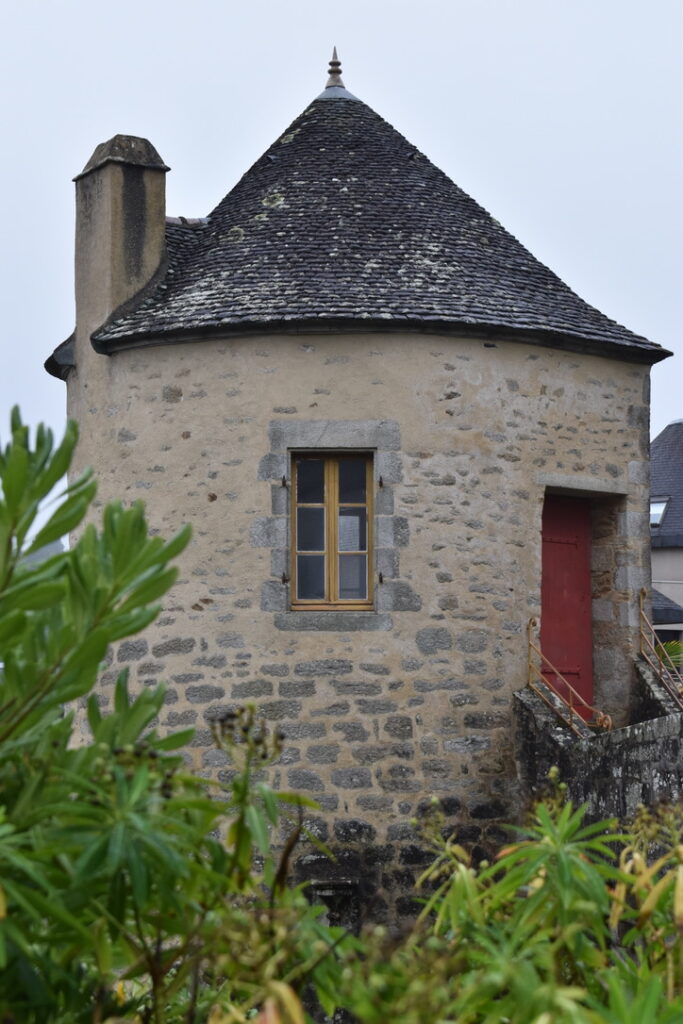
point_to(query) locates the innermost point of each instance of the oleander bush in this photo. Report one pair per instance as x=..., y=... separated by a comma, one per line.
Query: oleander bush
x=118, y=898
x=132, y=892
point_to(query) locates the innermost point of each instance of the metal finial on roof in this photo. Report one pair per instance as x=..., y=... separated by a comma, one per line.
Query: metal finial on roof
x=335, y=78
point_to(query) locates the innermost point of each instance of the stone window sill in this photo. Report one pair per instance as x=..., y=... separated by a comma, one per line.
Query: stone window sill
x=332, y=621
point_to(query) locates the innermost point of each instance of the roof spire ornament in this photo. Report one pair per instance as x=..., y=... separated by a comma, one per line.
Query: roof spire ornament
x=335, y=78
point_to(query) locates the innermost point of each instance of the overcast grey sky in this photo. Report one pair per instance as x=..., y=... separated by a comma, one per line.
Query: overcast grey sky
x=561, y=117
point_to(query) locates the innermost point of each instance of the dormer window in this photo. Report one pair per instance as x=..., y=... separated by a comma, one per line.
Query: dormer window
x=657, y=510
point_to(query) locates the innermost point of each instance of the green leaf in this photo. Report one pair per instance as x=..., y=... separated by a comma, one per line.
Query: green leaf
x=88, y=653
x=258, y=828
x=11, y=626
x=175, y=740
x=115, y=847
x=34, y=596
x=13, y=477
x=59, y=463
x=149, y=590
x=66, y=517
x=269, y=802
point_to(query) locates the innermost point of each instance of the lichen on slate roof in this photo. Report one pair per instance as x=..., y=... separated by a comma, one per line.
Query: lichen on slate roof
x=343, y=223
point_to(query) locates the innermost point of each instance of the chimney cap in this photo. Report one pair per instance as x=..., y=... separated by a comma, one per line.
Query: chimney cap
x=124, y=149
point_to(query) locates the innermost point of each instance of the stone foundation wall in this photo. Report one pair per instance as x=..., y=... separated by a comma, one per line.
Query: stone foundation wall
x=612, y=772
x=380, y=709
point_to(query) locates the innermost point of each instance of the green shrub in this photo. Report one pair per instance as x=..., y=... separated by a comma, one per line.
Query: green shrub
x=570, y=925
x=116, y=897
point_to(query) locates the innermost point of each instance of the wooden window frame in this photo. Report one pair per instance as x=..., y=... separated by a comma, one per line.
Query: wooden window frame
x=331, y=552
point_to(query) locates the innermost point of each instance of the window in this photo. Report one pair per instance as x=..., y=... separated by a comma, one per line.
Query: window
x=331, y=531
x=657, y=511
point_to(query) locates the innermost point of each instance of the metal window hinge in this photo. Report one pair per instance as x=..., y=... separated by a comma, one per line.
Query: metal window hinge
x=284, y=480
x=381, y=577
x=284, y=578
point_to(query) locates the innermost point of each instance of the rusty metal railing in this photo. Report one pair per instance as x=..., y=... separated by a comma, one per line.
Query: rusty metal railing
x=658, y=658
x=541, y=678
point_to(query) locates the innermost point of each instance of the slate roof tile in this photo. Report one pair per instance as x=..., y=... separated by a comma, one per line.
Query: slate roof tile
x=343, y=221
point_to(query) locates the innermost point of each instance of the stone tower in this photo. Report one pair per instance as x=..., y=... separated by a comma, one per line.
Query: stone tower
x=363, y=393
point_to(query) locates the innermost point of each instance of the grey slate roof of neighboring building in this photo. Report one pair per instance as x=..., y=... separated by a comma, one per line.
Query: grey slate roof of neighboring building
x=343, y=223
x=664, y=610
x=666, y=481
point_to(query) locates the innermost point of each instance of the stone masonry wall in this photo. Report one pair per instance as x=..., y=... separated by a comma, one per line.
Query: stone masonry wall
x=612, y=772
x=380, y=709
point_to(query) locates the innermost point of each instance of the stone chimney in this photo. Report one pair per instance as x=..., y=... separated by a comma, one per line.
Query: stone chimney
x=120, y=231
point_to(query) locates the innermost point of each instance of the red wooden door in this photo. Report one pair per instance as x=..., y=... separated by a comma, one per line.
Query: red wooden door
x=566, y=614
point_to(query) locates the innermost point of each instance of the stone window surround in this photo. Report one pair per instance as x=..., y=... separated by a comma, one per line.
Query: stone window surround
x=381, y=438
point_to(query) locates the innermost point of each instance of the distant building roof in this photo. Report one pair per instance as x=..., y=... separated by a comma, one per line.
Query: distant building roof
x=664, y=610
x=666, y=483
x=343, y=223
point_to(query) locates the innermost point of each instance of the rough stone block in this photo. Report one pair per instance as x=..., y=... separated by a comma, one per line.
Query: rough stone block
x=181, y=718
x=323, y=753
x=372, y=753
x=273, y=467
x=177, y=645
x=384, y=501
x=279, y=669
x=210, y=660
x=252, y=688
x=204, y=694
x=431, y=640
x=375, y=707
x=397, y=596
x=297, y=688
x=340, y=707
x=467, y=744
x=183, y=678
x=353, y=830
x=274, y=596
x=276, y=710
x=132, y=650
x=301, y=778
x=304, y=730
x=323, y=667
x=371, y=802
x=389, y=466
x=352, y=732
x=387, y=562
x=279, y=500
x=399, y=726
x=486, y=720
x=374, y=669
x=352, y=778
x=269, y=532
x=230, y=640
x=474, y=641
x=344, y=687
x=279, y=562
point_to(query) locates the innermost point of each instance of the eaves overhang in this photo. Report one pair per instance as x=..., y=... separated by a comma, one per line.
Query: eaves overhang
x=493, y=333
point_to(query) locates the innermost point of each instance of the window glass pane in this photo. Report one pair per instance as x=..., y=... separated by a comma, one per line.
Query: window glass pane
x=656, y=512
x=353, y=577
x=352, y=480
x=310, y=480
x=352, y=529
x=310, y=529
x=310, y=577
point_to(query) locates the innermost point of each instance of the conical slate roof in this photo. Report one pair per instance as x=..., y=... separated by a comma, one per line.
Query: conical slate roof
x=343, y=223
